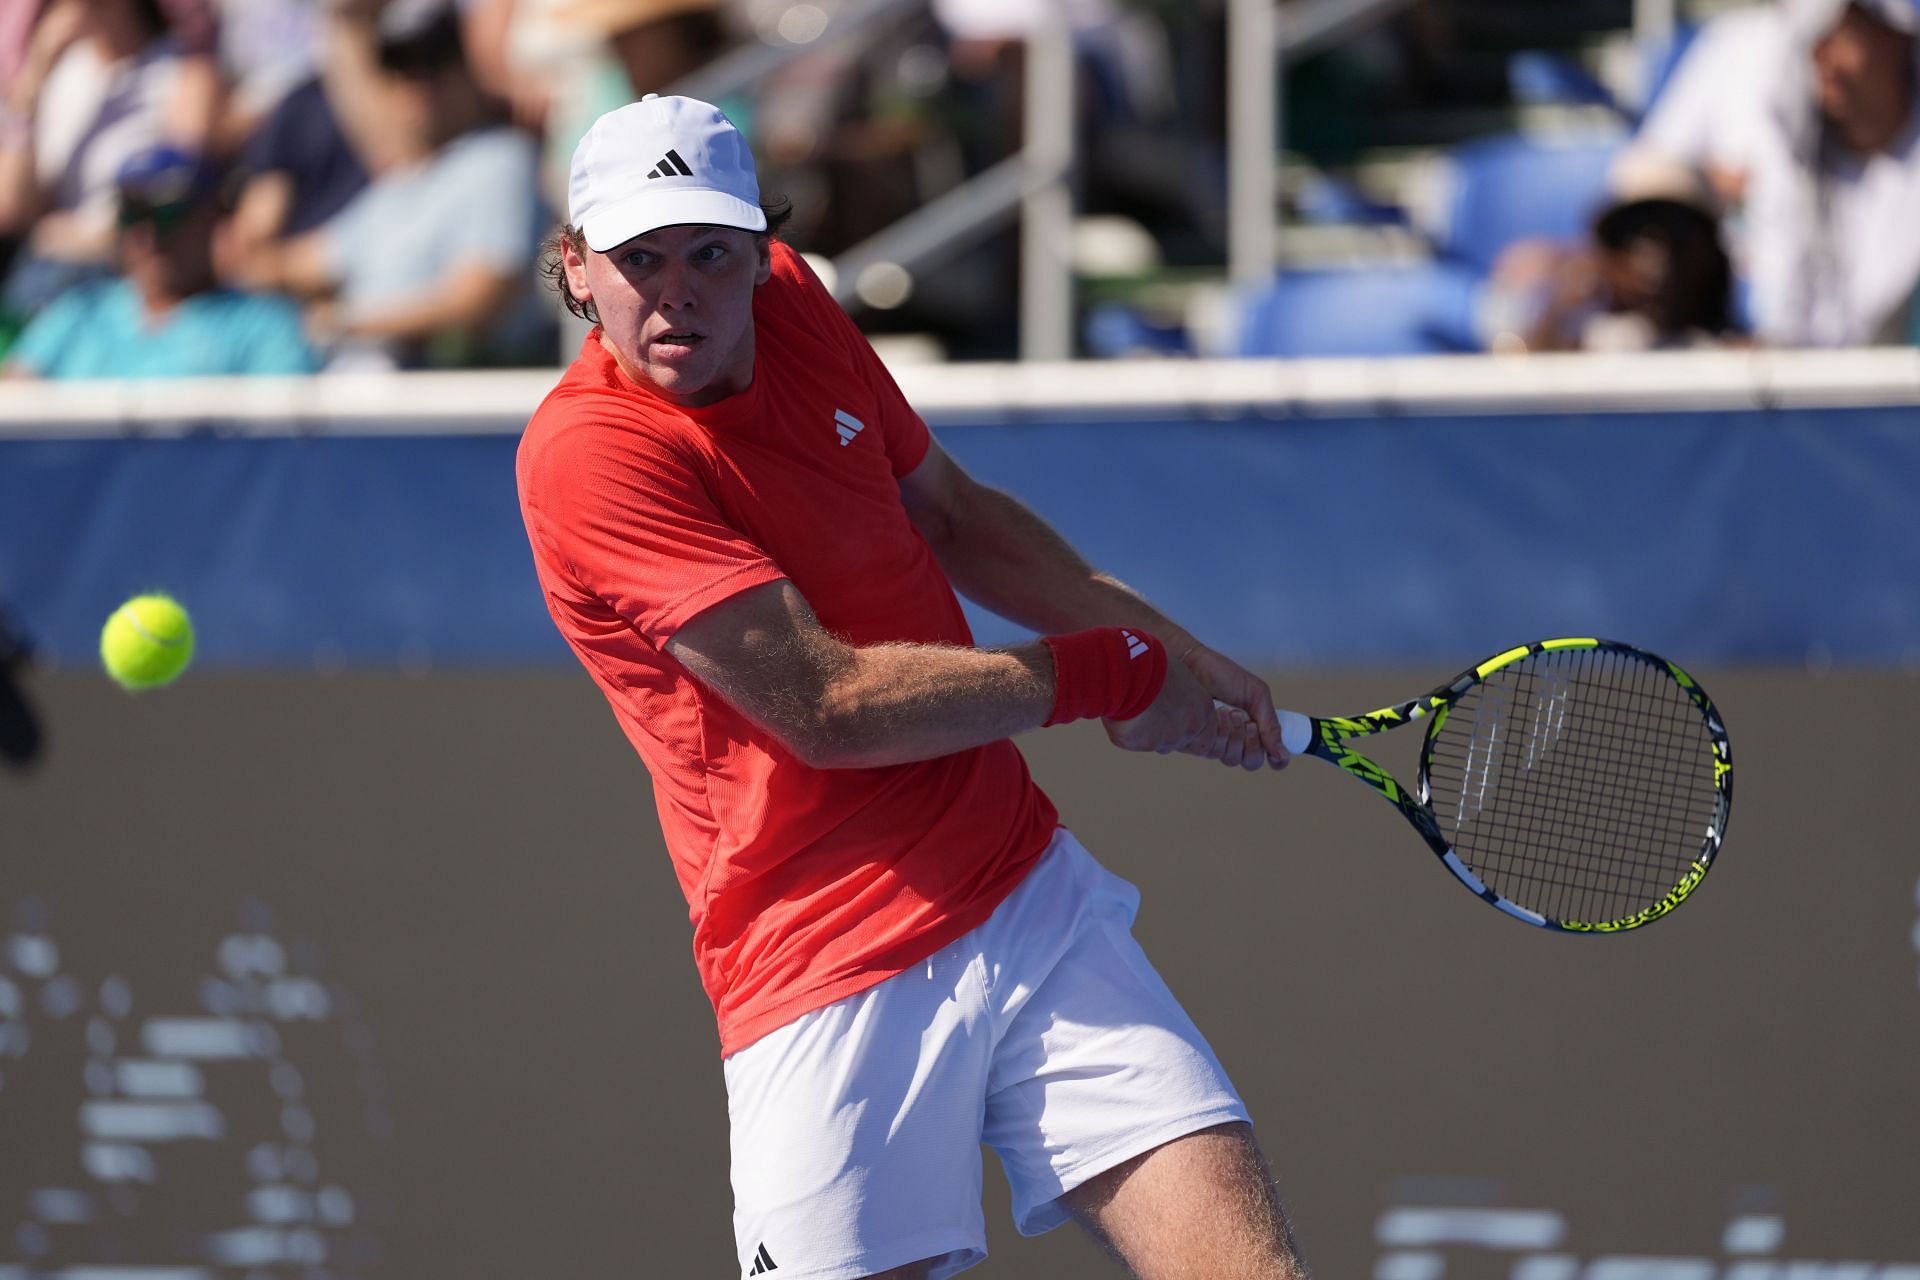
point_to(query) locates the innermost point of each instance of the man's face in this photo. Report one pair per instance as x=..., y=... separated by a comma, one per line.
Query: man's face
x=676, y=307
x=171, y=254
x=1861, y=71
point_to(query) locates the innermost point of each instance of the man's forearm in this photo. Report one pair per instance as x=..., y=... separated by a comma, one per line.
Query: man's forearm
x=896, y=703
x=1003, y=557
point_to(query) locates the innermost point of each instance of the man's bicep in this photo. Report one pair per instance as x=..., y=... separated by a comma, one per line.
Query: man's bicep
x=765, y=653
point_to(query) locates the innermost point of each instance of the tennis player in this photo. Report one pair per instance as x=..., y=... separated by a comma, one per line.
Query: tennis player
x=752, y=543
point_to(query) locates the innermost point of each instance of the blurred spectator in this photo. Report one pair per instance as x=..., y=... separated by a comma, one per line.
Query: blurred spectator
x=267, y=49
x=1653, y=276
x=100, y=81
x=165, y=317
x=510, y=47
x=656, y=42
x=1715, y=111
x=1833, y=240
x=16, y=31
x=864, y=133
x=1807, y=121
x=297, y=171
x=432, y=263
x=602, y=54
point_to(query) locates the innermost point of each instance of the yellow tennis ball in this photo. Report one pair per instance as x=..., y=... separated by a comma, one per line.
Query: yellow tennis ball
x=147, y=642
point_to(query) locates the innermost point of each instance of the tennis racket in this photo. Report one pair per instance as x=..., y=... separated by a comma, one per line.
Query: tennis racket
x=1580, y=785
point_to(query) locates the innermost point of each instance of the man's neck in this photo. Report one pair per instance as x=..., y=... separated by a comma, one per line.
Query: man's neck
x=157, y=305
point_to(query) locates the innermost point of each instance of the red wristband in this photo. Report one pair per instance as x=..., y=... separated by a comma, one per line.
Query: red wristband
x=1108, y=673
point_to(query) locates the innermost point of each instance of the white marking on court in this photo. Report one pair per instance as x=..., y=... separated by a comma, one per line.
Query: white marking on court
x=113, y=1162
x=1487, y=1228
x=60, y=1204
x=1547, y=1266
x=151, y=1121
x=138, y=1078
x=196, y=1038
x=1410, y=1266
x=1754, y=1233
x=1651, y=1269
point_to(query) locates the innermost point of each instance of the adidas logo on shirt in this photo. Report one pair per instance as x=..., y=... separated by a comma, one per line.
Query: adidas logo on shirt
x=1135, y=645
x=671, y=166
x=847, y=425
x=763, y=1262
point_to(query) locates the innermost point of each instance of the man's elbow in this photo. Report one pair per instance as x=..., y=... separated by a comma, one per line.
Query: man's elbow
x=832, y=733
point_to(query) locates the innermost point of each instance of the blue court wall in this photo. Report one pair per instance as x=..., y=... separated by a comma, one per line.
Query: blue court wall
x=1776, y=536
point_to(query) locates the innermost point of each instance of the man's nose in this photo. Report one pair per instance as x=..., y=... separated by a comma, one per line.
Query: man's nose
x=676, y=286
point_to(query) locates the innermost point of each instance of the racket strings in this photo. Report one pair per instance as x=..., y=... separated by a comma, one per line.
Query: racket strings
x=1610, y=870
x=1577, y=783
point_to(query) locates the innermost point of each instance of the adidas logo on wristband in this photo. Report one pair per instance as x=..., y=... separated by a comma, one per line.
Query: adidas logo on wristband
x=1092, y=679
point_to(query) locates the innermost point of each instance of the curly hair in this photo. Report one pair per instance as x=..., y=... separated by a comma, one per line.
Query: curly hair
x=553, y=267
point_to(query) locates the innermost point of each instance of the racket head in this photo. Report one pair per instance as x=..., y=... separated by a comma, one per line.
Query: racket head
x=1580, y=784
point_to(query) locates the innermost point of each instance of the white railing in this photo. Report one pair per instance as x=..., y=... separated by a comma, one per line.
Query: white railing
x=498, y=403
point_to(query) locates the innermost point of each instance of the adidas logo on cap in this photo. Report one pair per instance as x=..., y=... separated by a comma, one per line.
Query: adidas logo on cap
x=670, y=165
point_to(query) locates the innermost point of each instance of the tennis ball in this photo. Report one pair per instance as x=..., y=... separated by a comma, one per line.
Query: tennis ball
x=147, y=642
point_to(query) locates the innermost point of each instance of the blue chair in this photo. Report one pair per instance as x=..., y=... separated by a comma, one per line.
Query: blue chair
x=1543, y=78
x=1512, y=188
x=1372, y=311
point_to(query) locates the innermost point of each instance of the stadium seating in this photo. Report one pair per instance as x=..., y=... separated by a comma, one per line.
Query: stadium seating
x=1504, y=189
x=1379, y=311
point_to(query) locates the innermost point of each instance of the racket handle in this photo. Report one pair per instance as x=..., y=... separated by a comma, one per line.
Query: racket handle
x=1296, y=731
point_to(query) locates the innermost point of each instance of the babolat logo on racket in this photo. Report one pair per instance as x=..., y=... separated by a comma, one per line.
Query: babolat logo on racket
x=1676, y=896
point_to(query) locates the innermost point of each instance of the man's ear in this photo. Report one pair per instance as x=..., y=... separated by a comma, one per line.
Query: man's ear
x=763, y=272
x=576, y=268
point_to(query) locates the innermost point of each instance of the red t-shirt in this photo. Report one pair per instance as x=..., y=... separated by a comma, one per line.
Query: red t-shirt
x=804, y=885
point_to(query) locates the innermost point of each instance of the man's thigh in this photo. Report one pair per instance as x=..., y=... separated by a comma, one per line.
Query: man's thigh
x=1098, y=1062
x=856, y=1132
x=1202, y=1207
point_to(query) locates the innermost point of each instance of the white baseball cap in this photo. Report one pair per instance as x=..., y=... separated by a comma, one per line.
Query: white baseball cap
x=661, y=162
x=1812, y=20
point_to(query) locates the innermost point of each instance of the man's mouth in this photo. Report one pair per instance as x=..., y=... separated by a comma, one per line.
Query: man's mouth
x=677, y=338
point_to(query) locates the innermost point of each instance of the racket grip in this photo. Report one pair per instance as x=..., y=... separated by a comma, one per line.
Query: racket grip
x=1296, y=731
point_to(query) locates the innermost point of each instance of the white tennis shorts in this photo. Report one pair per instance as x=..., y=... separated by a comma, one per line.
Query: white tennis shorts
x=1044, y=1033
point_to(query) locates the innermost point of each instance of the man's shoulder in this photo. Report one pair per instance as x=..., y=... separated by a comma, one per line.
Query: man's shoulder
x=99, y=309
x=797, y=299
x=590, y=411
x=793, y=279
x=72, y=334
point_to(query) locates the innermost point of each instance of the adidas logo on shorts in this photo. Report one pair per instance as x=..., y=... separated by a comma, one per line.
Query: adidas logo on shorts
x=763, y=1262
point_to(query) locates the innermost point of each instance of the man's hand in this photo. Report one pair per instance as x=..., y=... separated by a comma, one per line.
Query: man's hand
x=1240, y=690
x=1234, y=722
x=1181, y=715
